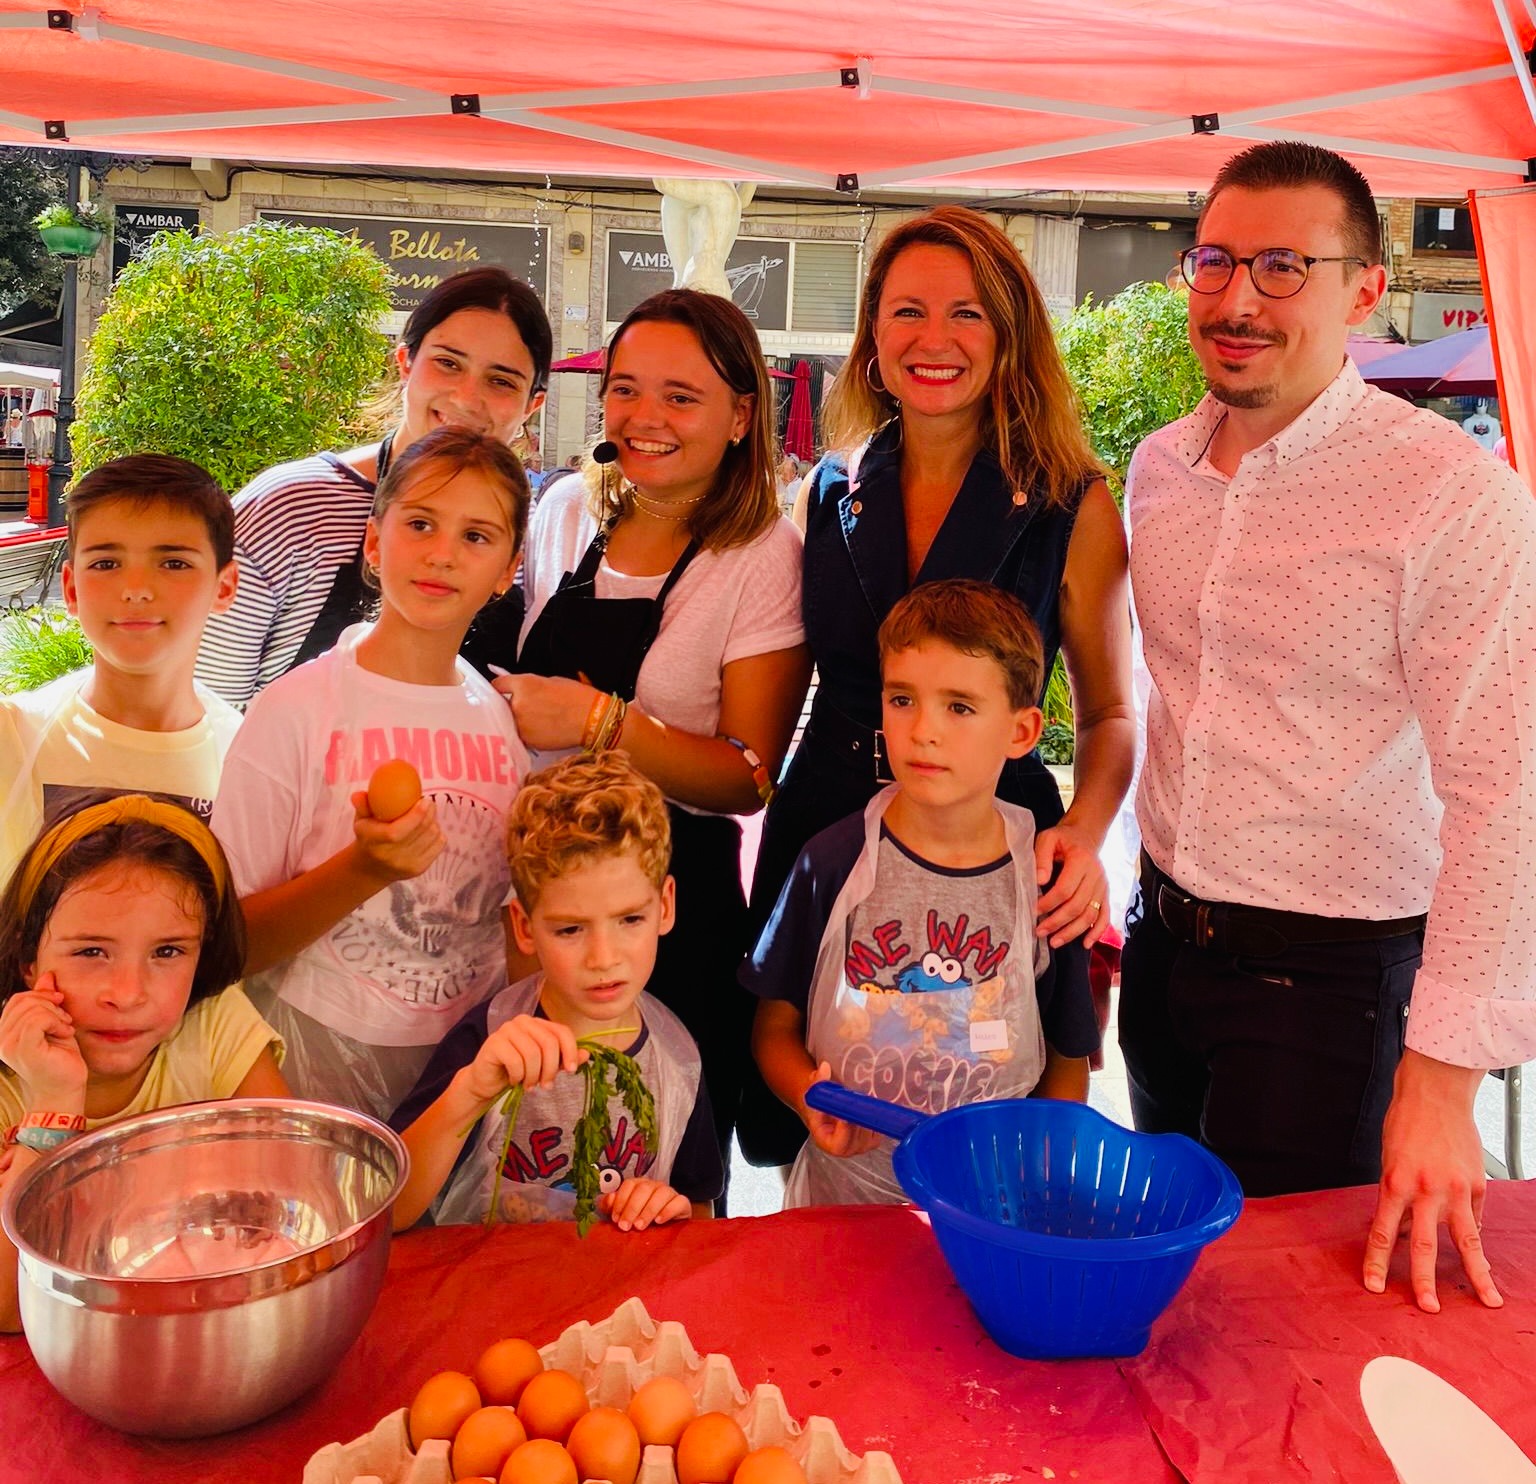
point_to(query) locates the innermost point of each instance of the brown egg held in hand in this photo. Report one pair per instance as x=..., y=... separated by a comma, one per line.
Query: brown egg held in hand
x=605, y=1445
x=550, y=1404
x=440, y=1407
x=485, y=1442
x=769, y=1466
x=710, y=1450
x=393, y=789
x=504, y=1369
x=660, y=1410
x=540, y=1461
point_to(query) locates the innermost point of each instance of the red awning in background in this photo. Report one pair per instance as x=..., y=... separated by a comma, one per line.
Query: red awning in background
x=1099, y=94
x=800, y=431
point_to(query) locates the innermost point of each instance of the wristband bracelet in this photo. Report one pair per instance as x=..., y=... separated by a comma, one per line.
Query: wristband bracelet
x=44, y=1132
x=760, y=774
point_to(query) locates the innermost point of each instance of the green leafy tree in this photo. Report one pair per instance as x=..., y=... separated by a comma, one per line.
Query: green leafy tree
x=1131, y=363
x=236, y=351
x=29, y=183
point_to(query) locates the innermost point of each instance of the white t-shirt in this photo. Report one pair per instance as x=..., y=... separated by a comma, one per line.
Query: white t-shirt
x=405, y=966
x=728, y=605
x=54, y=748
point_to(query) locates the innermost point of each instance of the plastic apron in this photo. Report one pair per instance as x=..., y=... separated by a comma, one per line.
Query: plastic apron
x=928, y=1051
x=467, y=1197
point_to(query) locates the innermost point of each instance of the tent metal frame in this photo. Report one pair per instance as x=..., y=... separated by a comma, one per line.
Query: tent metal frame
x=538, y=111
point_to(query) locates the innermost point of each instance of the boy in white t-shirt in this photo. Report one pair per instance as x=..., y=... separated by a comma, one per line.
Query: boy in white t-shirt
x=150, y=557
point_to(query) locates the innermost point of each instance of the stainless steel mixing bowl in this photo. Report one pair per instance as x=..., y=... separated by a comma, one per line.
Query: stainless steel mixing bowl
x=191, y=1270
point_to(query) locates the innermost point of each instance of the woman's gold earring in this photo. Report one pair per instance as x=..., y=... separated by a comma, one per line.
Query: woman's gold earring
x=872, y=376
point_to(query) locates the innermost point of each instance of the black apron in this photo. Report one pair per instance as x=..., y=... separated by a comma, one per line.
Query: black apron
x=604, y=641
x=348, y=599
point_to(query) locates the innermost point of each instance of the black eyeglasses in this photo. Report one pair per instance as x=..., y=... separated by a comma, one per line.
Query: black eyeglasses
x=1277, y=272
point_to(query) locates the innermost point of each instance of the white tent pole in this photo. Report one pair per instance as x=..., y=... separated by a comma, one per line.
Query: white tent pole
x=1303, y=106
x=923, y=170
x=667, y=149
x=660, y=92
x=250, y=118
x=20, y=121
x=1347, y=146
x=1516, y=56
x=1021, y=102
x=273, y=65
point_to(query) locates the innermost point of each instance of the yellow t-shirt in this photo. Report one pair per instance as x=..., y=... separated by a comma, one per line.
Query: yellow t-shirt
x=54, y=748
x=207, y=1056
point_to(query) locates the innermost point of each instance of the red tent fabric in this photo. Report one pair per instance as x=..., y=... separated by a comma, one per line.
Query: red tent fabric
x=1505, y=222
x=1106, y=94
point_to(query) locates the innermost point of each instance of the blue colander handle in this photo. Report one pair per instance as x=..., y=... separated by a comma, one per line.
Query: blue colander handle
x=854, y=1107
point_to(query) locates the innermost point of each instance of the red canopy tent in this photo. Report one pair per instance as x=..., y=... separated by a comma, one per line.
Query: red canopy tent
x=1108, y=94
x=852, y=95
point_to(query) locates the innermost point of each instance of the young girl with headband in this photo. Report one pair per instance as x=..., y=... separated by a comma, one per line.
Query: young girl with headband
x=370, y=938
x=120, y=944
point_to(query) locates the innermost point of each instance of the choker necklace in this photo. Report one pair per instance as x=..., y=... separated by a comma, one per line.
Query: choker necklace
x=661, y=512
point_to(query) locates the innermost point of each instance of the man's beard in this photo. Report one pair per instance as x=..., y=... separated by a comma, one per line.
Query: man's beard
x=1242, y=397
x=1247, y=397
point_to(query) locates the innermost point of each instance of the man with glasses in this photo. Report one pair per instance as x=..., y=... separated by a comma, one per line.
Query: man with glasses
x=1337, y=594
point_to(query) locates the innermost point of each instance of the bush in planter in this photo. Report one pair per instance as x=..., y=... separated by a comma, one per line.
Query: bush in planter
x=82, y=214
x=1057, y=744
x=236, y=351
x=37, y=646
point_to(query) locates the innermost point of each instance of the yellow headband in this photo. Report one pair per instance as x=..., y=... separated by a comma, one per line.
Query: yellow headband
x=53, y=844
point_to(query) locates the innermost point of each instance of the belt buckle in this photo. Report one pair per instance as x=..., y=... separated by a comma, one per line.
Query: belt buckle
x=883, y=772
x=1204, y=931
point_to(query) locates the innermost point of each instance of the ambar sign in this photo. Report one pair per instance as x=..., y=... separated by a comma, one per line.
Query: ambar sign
x=420, y=253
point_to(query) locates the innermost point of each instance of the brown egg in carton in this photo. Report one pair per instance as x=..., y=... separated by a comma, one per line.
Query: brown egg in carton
x=613, y=1359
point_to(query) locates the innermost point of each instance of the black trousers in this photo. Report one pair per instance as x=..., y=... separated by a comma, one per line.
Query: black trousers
x=696, y=963
x=1282, y=1066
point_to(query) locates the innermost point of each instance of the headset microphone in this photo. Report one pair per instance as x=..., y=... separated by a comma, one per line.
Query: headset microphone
x=605, y=452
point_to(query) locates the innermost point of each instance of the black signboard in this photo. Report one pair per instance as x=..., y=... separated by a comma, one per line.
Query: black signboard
x=135, y=225
x=758, y=268
x=421, y=253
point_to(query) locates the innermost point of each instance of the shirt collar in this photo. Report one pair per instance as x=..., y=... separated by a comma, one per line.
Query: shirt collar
x=1316, y=422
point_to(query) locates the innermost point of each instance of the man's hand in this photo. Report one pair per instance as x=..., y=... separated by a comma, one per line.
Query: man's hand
x=1431, y=1171
x=1077, y=903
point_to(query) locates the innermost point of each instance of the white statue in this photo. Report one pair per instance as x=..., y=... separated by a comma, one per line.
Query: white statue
x=699, y=222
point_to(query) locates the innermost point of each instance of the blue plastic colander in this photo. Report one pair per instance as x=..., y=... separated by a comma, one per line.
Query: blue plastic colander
x=1069, y=1234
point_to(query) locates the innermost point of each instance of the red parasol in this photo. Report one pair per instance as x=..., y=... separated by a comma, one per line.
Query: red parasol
x=800, y=433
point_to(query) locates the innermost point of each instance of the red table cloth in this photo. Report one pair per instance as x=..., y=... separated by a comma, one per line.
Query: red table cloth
x=1252, y=1376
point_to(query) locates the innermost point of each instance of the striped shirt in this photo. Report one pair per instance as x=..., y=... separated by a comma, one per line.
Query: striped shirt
x=296, y=526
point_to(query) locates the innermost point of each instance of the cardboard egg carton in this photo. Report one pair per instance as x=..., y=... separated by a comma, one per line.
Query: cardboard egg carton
x=613, y=1359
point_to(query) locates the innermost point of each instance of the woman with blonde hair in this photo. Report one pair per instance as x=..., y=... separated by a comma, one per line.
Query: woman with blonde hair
x=663, y=591
x=963, y=456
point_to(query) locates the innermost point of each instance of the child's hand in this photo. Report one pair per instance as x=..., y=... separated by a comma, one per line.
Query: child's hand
x=37, y=1041
x=397, y=849
x=832, y=1135
x=639, y=1203
x=524, y=1052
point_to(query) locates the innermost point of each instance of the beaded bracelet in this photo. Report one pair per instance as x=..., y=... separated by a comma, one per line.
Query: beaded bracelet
x=760, y=774
x=613, y=724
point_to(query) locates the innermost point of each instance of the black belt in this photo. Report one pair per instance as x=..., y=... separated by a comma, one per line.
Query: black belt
x=1254, y=932
x=860, y=747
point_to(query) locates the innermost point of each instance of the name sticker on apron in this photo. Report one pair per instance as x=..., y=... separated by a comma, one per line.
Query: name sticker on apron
x=989, y=1035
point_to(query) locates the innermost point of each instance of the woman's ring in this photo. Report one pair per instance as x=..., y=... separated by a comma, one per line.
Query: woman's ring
x=1093, y=908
